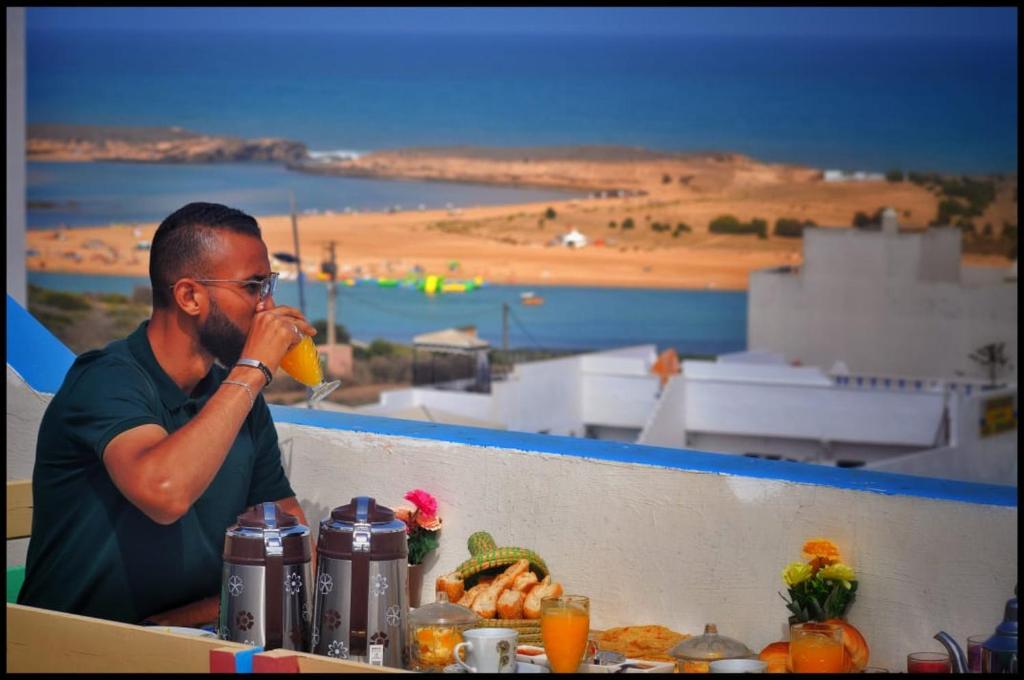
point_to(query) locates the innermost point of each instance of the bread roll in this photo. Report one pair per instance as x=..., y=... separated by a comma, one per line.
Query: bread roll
x=470, y=595
x=531, y=606
x=524, y=582
x=451, y=585
x=510, y=604
x=516, y=568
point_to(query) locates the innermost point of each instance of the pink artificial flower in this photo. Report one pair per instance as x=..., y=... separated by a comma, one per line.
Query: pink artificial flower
x=423, y=501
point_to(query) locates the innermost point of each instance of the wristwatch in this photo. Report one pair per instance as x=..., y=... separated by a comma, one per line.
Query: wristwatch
x=256, y=363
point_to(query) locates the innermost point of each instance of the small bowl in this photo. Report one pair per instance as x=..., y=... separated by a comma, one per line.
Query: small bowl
x=738, y=666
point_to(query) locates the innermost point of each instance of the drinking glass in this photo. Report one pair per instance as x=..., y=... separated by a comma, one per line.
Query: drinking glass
x=564, y=628
x=929, y=662
x=974, y=644
x=817, y=648
x=302, y=362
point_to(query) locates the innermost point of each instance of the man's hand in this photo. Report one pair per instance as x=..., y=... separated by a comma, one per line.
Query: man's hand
x=273, y=332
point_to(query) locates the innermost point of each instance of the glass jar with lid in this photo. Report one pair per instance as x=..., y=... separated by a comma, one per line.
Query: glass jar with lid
x=694, y=655
x=434, y=630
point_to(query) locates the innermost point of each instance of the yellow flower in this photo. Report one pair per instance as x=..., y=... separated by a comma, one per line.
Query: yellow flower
x=796, y=572
x=820, y=552
x=838, y=572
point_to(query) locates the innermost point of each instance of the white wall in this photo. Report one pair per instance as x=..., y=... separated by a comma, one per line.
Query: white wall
x=810, y=412
x=681, y=549
x=881, y=325
x=542, y=396
x=991, y=460
x=477, y=406
x=661, y=545
x=16, y=280
x=665, y=425
x=617, y=400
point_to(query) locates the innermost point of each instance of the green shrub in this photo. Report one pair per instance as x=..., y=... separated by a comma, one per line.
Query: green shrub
x=382, y=348
x=726, y=224
x=550, y=213
x=894, y=176
x=729, y=224
x=666, y=179
x=69, y=302
x=113, y=298
x=628, y=223
x=862, y=220
x=682, y=228
x=788, y=227
x=612, y=224
x=759, y=227
x=341, y=334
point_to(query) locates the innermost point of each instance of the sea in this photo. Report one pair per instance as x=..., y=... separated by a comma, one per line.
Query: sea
x=694, y=323
x=850, y=103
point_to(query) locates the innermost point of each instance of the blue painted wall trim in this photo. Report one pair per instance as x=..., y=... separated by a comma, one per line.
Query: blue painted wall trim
x=43, y=360
x=33, y=351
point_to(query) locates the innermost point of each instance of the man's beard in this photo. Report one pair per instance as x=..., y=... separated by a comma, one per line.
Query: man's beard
x=221, y=338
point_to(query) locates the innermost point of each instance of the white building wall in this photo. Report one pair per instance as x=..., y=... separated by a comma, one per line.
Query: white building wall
x=815, y=413
x=543, y=396
x=860, y=298
x=665, y=425
x=617, y=400
x=991, y=460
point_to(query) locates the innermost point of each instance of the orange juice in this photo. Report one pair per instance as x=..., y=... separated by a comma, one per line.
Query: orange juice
x=564, y=630
x=817, y=654
x=303, y=363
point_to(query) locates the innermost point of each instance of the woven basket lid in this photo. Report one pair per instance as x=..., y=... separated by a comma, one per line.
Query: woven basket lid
x=487, y=556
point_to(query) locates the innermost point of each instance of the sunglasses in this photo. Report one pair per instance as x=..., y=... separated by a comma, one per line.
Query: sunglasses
x=263, y=288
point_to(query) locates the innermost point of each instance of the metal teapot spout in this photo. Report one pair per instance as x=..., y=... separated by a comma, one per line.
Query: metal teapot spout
x=956, y=655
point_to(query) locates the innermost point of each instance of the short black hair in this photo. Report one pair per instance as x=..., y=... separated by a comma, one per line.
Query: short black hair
x=183, y=241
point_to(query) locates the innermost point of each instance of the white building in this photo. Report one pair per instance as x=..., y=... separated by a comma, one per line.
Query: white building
x=603, y=395
x=750, y=403
x=885, y=302
x=574, y=239
x=761, y=406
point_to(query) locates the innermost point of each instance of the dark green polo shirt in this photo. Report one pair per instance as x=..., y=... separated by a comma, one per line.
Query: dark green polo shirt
x=94, y=553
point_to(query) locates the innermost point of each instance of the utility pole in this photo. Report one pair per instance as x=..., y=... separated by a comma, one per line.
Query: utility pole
x=298, y=260
x=504, y=326
x=332, y=293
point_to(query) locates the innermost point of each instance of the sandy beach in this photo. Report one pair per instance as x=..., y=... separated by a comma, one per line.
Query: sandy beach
x=513, y=243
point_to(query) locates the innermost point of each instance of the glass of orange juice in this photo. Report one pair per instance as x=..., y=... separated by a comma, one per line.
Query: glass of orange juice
x=564, y=628
x=816, y=648
x=302, y=362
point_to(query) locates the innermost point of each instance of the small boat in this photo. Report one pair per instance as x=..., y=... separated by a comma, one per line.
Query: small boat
x=530, y=298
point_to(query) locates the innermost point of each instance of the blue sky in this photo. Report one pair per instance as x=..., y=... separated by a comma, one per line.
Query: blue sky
x=992, y=22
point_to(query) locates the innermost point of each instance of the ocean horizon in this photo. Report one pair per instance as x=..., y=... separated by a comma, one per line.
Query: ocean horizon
x=849, y=103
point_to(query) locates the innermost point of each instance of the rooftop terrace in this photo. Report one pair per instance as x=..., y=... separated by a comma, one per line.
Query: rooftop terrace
x=653, y=535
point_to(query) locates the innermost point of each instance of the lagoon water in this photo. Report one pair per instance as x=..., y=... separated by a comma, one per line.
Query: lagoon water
x=693, y=322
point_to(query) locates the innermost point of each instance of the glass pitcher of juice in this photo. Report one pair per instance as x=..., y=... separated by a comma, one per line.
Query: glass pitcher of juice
x=817, y=648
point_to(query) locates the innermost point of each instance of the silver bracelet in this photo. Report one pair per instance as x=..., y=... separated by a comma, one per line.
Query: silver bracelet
x=252, y=399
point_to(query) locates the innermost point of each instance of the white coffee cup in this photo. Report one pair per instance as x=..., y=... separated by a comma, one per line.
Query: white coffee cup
x=738, y=666
x=488, y=650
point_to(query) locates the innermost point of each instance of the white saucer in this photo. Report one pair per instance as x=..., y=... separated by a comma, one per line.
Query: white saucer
x=520, y=668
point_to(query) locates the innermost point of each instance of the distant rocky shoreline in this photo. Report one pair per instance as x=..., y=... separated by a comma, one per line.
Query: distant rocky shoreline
x=550, y=166
x=84, y=143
